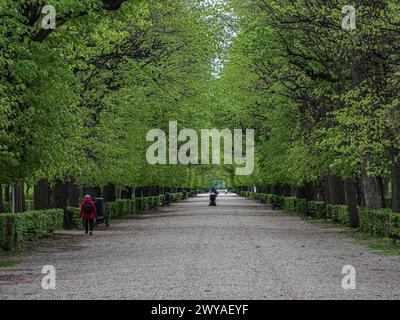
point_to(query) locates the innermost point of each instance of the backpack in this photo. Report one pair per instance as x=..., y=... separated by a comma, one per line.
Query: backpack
x=88, y=207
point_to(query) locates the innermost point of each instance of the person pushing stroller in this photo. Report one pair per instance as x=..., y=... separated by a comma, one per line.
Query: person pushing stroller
x=213, y=197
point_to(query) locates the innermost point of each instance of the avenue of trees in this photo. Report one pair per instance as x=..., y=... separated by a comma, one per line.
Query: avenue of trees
x=76, y=102
x=324, y=101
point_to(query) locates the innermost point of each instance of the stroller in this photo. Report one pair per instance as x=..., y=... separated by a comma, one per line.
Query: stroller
x=213, y=198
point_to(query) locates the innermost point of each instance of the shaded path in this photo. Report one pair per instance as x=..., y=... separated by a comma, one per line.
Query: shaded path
x=238, y=250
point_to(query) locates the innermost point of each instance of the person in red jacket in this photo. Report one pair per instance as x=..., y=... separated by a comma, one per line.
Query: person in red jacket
x=88, y=212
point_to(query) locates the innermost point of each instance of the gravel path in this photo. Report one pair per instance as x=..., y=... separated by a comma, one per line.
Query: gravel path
x=238, y=250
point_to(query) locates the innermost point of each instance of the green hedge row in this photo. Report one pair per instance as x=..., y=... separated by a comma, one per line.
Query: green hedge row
x=123, y=207
x=376, y=222
x=176, y=196
x=380, y=222
x=320, y=207
x=132, y=206
x=19, y=227
x=6, y=207
x=32, y=225
x=291, y=204
x=337, y=213
x=76, y=221
x=29, y=205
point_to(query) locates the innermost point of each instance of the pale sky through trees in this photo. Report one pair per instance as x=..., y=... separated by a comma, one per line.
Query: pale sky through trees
x=222, y=16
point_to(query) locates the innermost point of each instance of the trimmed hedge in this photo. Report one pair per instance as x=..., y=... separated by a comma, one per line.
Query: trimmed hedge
x=294, y=205
x=376, y=222
x=5, y=207
x=74, y=214
x=175, y=197
x=320, y=207
x=289, y=204
x=29, y=206
x=28, y=226
x=32, y=225
x=245, y=194
x=277, y=199
x=388, y=202
x=394, y=225
x=338, y=213
x=379, y=222
x=125, y=207
x=269, y=198
x=121, y=208
x=265, y=198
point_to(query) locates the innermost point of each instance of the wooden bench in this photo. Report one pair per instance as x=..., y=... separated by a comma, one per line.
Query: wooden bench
x=152, y=204
x=277, y=205
x=311, y=212
x=166, y=200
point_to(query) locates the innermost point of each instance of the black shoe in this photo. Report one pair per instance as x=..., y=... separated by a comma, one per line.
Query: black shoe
x=91, y=233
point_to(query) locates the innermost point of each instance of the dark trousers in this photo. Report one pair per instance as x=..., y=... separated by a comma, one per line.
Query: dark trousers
x=89, y=222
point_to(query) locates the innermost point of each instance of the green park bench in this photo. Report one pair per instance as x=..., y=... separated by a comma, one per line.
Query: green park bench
x=277, y=204
x=167, y=199
x=311, y=211
x=102, y=215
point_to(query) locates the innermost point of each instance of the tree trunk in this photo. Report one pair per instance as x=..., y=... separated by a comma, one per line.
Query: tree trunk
x=351, y=200
x=322, y=189
x=16, y=198
x=372, y=187
x=42, y=195
x=109, y=193
x=97, y=192
x=309, y=191
x=59, y=195
x=286, y=190
x=7, y=193
x=22, y=191
x=12, y=199
x=139, y=192
x=336, y=190
x=20, y=197
x=74, y=196
x=301, y=193
x=133, y=192
x=1, y=198
x=385, y=187
x=395, y=173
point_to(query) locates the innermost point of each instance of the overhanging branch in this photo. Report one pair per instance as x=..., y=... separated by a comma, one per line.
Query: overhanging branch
x=108, y=5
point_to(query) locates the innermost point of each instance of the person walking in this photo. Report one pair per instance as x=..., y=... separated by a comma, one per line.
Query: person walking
x=88, y=213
